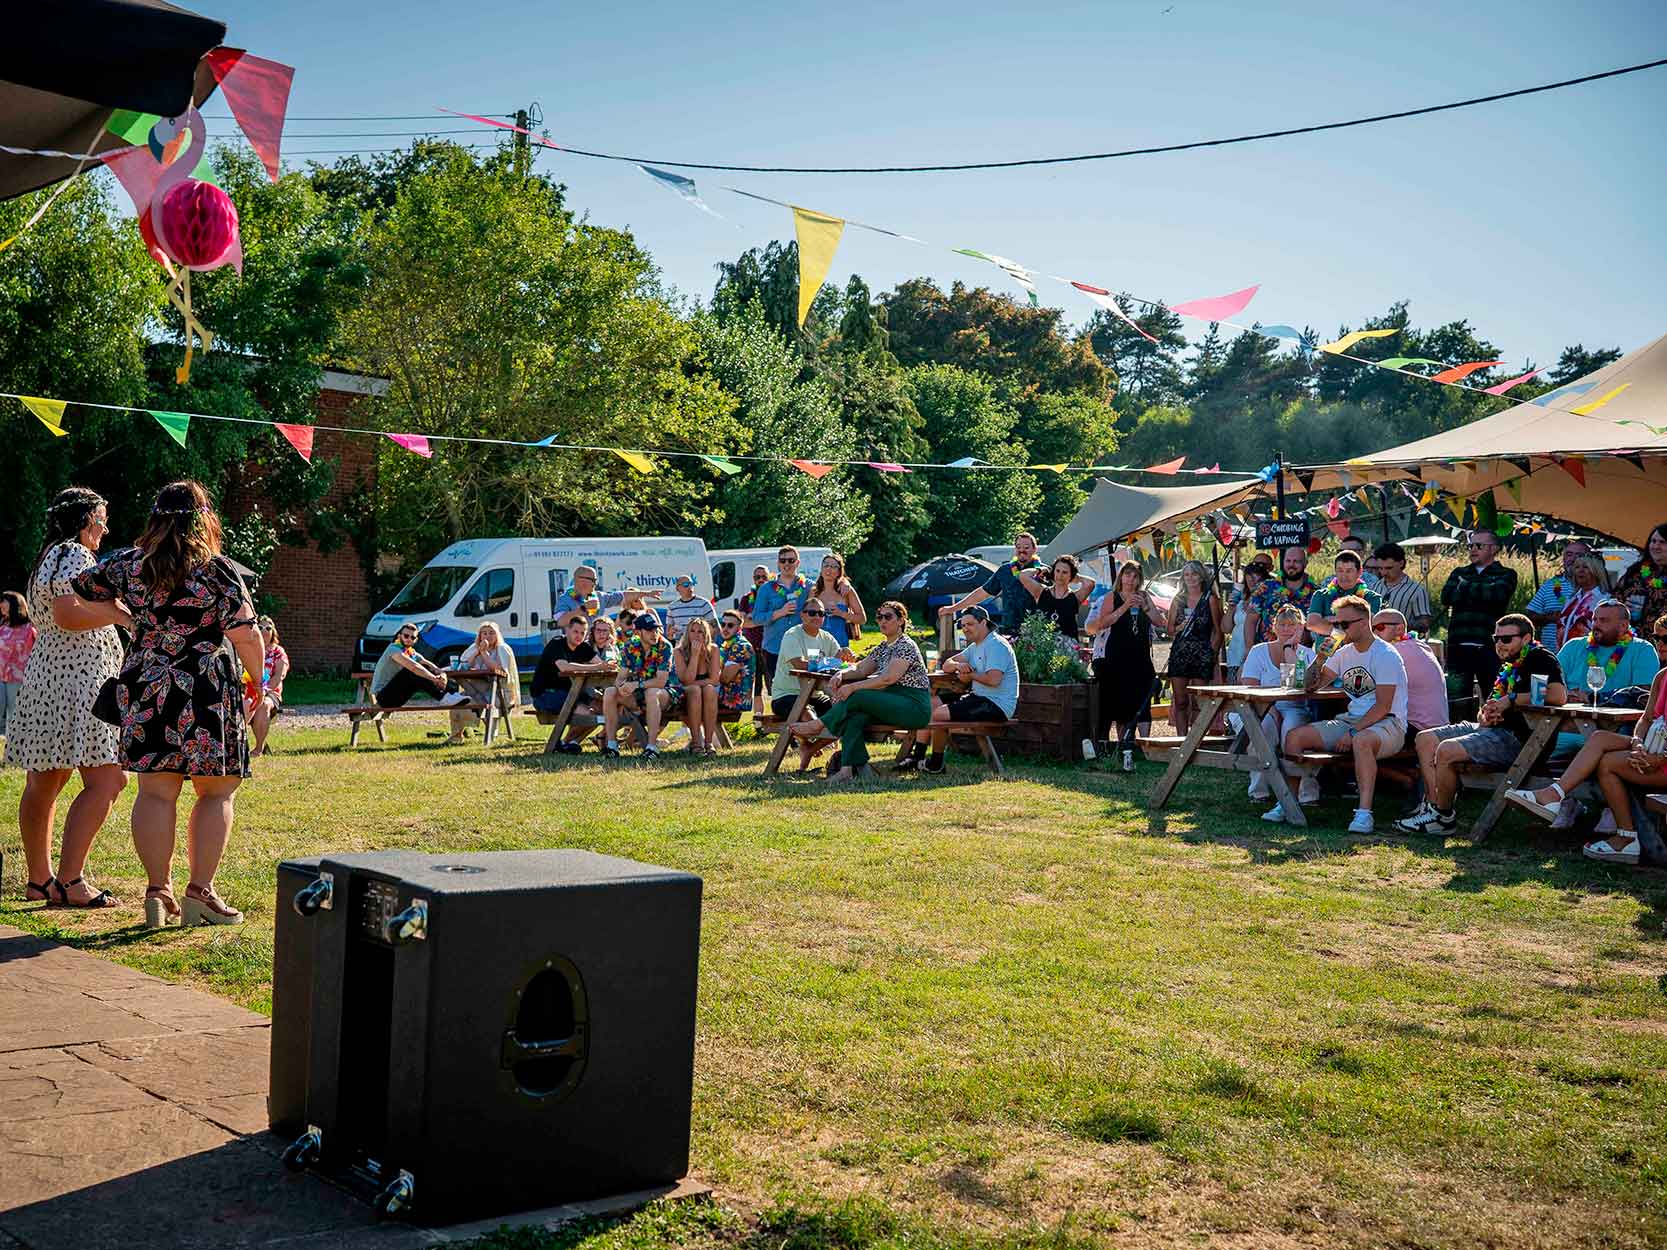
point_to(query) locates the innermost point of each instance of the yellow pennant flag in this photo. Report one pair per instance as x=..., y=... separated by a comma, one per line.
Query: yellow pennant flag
x=1600, y=401
x=1429, y=495
x=1458, y=503
x=639, y=462
x=1515, y=487
x=50, y=411
x=1360, y=494
x=1052, y=468
x=818, y=239
x=1186, y=543
x=1349, y=340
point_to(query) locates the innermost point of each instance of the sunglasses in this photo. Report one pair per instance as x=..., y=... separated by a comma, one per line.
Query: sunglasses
x=885, y=616
x=787, y=559
x=812, y=612
x=1378, y=629
x=1346, y=621
x=1503, y=638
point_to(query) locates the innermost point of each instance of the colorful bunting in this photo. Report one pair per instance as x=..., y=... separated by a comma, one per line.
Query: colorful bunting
x=1107, y=301
x=1573, y=388
x=965, y=462
x=1011, y=268
x=727, y=467
x=1587, y=409
x=1349, y=340
x=300, y=437
x=681, y=186
x=1463, y=371
x=50, y=412
x=1185, y=539
x=1168, y=467
x=1051, y=468
x=638, y=461
x=176, y=423
x=520, y=130
x=885, y=467
x=1515, y=487
x=1501, y=387
x=257, y=92
x=1219, y=308
x=818, y=237
x=414, y=443
x=1575, y=467
x=1401, y=362
x=1432, y=492
x=812, y=468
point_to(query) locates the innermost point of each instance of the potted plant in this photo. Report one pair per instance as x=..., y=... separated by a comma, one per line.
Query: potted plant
x=1052, y=717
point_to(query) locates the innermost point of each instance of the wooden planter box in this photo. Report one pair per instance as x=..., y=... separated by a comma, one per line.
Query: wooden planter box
x=1051, y=721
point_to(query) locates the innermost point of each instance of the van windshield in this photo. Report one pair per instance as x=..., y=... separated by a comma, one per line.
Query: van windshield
x=430, y=590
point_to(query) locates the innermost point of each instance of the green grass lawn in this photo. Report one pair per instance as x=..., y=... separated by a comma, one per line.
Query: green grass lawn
x=960, y=1011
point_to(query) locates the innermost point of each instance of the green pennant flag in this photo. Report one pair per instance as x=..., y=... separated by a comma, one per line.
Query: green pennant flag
x=722, y=465
x=1487, y=512
x=176, y=423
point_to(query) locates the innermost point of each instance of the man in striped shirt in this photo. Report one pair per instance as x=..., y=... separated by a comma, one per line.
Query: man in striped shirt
x=1546, y=607
x=1401, y=592
x=687, y=607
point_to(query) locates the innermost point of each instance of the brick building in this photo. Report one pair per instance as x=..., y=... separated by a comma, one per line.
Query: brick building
x=326, y=597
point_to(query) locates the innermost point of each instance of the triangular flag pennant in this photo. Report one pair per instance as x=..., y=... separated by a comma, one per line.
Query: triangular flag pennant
x=414, y=443
x=1431, y=493
x=300, y=437
x=1464, y=370
x=812, y=468
x=1218, y=308
x=818, y=240
x=1186, y=543
x=638, y=461
x=1170, y=467
x=1224, y=533
x=1575, y=467
x=885, y=467
x=1500, y=388
x=1339, y=528
x=1636, y=462
x=1523, y=463
x=1051, y=468
x=1214, y=468
x=1024, y=277
x=1307, y=480
x=965, y=462
x=1349, y=340
x=1573, y=388
x=257, y=92
x=176, y=423
x=546, y=441
x=1600, y=401
x=721, y=465
x=682, y=186
x=1401, y=362
x=1334, y=505
x=1361, y=494
x=1458, y=504
x=1105, y=300
x=50, y=411
x=1515, y=487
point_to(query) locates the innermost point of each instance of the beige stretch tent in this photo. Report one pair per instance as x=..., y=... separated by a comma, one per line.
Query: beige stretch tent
x=1577, y=424
x=1115, y=511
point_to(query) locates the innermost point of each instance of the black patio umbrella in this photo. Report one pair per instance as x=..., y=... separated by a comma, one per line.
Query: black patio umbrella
x=65, y=65
x=923, y=588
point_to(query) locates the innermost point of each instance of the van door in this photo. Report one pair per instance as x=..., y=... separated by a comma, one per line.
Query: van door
x=723, y=583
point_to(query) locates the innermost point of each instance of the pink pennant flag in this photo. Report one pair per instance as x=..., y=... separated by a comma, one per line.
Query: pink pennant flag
x=488, y=121
x=812, y=468
x=1218, y=308
x=884, y=467
x=1463, y=371
x=1339, y=528
x=1216, y=467
x=257, y=92
x=1335, y=506
x=1104, y=299
x=416, y=443
x=1502, y=387
x=300, y=437
x=1169, y=466
x=1224, y=532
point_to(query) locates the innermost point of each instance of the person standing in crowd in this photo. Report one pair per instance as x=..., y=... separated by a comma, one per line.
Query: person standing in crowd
x=799, y=645
x=1590, y=584
x=1263, y=667
x=777, y=607
x=1477, y=595
x=1294, y=587
x=687, y=607
x=1344, y=581
x=52, y=731
x=1495, y=739
x=1061, y=598
x=268, y=695
x=17, y=640
x=1554, y=594
x=401, y=671
x=989, y=665
x=1122, y=660
x=1401, y=592
x=566, y=656
x=1005, y=587
x=738, y=662
x=754, y=634
x=845, y=611
x=1238, y=646
x=1372, y=674
x=584, y=598
x=890, y=686
x=1195, y=629
x=1370, y=577
x=180, y=698
x=489, y=653
x=1643, y=587
x=698, y=669
x=645, y=673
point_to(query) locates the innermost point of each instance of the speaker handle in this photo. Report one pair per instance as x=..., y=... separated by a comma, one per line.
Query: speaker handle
x=410, y=925
x=316, y=894
x=518, y=1051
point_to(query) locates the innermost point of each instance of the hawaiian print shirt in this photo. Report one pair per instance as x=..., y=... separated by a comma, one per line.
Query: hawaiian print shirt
x=736, y=696
x=637, y=662
x=1274, y=594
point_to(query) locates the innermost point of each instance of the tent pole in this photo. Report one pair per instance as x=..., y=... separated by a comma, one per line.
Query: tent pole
x=1383, y=492
x=1279, y=483
x=1534, y=560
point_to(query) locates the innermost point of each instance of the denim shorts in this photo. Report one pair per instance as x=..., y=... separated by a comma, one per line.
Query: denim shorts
x=1488, y=746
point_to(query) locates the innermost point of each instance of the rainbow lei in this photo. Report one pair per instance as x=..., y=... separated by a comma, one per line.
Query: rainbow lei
x=1650, y=578
x=1505, y=685
x=1614, y=660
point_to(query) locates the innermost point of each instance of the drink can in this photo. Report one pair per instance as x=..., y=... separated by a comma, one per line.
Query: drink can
x=1536, y=689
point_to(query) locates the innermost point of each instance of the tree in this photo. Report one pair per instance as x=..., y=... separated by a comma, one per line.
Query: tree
x=771, y=278
x=1147, y=373
x=1577, y=362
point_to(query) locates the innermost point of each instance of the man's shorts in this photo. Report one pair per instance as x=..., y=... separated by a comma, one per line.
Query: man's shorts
x=1389, y=732
x=1489, y=746
x=974, y=707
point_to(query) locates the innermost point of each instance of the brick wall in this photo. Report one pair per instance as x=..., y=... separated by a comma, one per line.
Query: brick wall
x=326, y=598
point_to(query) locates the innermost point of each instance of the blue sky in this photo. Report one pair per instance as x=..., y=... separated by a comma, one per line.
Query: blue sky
x=1538, y=219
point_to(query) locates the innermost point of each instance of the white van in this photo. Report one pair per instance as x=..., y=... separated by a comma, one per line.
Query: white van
x=732, y=570
x=515, y=582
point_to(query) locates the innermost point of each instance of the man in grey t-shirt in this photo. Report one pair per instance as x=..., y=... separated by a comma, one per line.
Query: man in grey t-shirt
x=989, y=664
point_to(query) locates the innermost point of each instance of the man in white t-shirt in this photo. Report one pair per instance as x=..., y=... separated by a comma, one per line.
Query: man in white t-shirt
x=1373, y=675
x=1261, y=668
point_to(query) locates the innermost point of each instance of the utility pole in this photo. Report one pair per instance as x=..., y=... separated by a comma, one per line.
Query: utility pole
x=523, y=155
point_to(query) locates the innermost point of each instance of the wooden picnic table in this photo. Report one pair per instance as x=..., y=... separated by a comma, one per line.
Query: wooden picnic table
x=577, y=685
x=1547, y=723
x=1250, y=749
x=491, y=714
x=809, y=684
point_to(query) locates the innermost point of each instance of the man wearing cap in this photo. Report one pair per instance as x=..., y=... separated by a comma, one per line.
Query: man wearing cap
x=989, y=664
x=644, y=670
x=687, y=607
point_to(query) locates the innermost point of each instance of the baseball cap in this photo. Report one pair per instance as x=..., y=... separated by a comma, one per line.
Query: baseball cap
x=978, y=613
x=648, y=621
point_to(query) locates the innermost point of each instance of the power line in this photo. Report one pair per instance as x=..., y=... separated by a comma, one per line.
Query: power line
x=1106, y=156
x=362, y=117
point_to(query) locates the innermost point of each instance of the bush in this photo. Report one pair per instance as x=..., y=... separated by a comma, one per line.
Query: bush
x=1046, y=657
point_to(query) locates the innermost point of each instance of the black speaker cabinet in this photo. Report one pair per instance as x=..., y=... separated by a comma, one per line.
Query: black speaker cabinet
x=498, y=1031
x=292, y=999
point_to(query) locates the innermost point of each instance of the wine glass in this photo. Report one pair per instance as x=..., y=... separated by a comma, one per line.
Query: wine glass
x=1594, y=682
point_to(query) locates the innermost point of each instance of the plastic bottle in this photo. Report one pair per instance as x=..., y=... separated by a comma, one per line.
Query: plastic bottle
x=1299, y=674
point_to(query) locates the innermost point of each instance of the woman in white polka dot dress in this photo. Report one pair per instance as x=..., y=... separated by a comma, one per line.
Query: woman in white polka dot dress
x=52, y=731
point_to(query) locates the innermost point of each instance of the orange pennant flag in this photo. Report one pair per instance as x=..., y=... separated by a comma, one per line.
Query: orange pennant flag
x=300, y=437
x=1169, y=466
x=1463, y=371
x=812, y=468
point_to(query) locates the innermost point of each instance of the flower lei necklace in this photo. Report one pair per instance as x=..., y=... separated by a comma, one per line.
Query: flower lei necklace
x=1505, y=685
x=1614, y=660
x=1650, y=578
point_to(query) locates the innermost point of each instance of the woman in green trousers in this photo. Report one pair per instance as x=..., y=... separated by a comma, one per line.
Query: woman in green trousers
x=889, y=687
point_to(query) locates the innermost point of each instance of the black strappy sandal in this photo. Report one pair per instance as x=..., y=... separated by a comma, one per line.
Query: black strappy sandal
x=101, y=899
x=44, y=889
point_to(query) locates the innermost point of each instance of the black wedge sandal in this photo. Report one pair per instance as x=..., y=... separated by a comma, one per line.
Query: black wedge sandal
x=102, y=899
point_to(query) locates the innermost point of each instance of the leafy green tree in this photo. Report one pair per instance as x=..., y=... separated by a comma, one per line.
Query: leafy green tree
x=1148, y=373
x=1577, y=362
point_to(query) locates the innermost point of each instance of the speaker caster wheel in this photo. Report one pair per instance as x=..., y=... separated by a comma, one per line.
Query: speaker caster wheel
x=303, y=1151
x=395, y=1196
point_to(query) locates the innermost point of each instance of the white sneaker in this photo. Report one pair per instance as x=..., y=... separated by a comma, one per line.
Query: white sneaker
x=1259, y=788
x=1606, y=823
x=1362, y=822
x=453, y=698
x=1605, y=851
x=1309, y=790
x=1275, y=815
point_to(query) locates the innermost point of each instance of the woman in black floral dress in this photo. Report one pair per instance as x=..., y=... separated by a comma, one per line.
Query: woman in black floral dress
x=179, y=692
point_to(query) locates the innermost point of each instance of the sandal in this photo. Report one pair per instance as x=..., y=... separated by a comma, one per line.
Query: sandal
x=43, y=890
x=161, y=909
x=204, y=906
x=102, y=899
x=1526, y=799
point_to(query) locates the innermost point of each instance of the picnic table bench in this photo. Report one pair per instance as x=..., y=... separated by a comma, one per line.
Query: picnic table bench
x=367, y=709
x=1547, y=723
x=569, y=715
